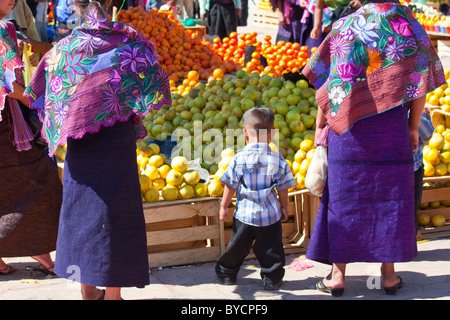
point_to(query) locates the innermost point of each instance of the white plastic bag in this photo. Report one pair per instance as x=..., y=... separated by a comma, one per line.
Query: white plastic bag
x=317, y=172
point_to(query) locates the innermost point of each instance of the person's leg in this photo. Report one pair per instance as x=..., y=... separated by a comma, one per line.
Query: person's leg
x=390, y=279
x=229, y=263
x=45, y=260
x=269, y=251
x=113, y=294
x=91, y=292
x=336, y=278
x=6, y=269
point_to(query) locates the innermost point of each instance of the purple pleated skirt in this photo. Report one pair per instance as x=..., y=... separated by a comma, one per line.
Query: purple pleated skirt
x=367, y=210
x=102, y=237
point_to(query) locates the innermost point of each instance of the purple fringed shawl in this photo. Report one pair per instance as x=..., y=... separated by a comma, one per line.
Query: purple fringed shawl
x=101, y=73
x=10, y=72
x=372, y=60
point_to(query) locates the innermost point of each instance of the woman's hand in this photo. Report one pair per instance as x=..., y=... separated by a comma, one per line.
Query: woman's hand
x=414, y=139
x=315, y=33
x=356, y=4
x=34, y=59
x=281, y=19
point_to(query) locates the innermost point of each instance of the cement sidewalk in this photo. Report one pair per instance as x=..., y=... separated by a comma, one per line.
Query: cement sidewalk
x=426, y=278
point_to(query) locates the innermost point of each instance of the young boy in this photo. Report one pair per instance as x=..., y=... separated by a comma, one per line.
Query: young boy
x=254, y=173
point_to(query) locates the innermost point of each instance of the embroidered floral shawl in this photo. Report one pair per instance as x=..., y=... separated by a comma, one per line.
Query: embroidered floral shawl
x=11, y=63
x=101, y=73
x=374, y=59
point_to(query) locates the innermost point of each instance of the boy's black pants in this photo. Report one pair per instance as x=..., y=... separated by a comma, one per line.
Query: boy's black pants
x=268, y=249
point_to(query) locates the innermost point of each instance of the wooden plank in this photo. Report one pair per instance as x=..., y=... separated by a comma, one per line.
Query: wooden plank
x=175, y=211
x=445, y=212
x=438, y=194
x=183, y=234
x=183, y=257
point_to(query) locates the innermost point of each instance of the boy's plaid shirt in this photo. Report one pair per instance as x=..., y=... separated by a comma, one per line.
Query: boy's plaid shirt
x=255, y=173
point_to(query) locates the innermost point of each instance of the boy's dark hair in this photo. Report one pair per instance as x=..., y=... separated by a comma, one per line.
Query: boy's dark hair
x=259, y=118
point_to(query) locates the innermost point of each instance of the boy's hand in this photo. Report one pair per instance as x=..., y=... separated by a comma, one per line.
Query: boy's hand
x=223, y=214
x=284, y=215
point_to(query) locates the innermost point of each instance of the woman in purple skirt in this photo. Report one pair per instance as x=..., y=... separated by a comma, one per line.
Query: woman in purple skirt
x=374, y=66
x=91, y=90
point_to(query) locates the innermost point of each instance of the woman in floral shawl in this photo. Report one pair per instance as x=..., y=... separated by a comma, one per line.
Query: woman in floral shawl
x=91, y=90
x=31, y=194
x=374, y=66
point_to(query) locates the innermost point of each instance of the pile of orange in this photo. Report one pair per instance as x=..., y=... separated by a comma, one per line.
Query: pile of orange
x=281, y=57
x=180, y=50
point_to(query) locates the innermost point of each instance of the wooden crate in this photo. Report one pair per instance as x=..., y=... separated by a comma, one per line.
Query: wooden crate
x=183, y=232
x=437, y=194
x=440, y=117
x=296, y=232
x=265, y=19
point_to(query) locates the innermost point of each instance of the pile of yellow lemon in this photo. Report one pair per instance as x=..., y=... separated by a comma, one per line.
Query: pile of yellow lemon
x=302, y=159
x=441, y=96
x=160, y=180
x=436, y=154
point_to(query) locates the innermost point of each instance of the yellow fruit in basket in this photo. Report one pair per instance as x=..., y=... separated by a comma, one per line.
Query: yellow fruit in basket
x=299, y=156
x=191, y=177
x=174, y=178
x=215, y=188
x=434, y=100
x=159, y=183
x=436, y=142
x=152, y=172
x=428, y=170
x=200, y=190
x=186, y=192
x=432, y=156
x=219, y=174
x=440, y=169
x=295, y=167
x=306, y=145
x=156, y=161
x=303, y=169
x=151, y=195
x=445, y=156
x=440, y=129
x=446, y=136
x=439, y=92
x=164, y=170
x=445, y=203
x=438, y=220
x=180, y=164
x=435, y=204
x=300, y=180
x=155, y=148
x=142, y=161
x=423, y=219
x=228, y=152
x=145, y=182
x=169, y=193
x=146, y=151
x=224, y=162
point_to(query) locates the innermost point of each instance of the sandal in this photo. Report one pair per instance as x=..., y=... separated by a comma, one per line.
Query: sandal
x=7, y=270
x=335, y=292
x=43, y=269
x=393, y=290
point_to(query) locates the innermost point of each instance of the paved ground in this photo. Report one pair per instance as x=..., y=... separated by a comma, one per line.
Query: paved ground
x=426, y=278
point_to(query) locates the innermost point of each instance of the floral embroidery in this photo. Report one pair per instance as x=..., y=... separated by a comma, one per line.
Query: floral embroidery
x=375, y=60
x=339, y=47
x=369, y=41
x=125, y=76
x=394, y=51
x=365, y=31
x=336, y=95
